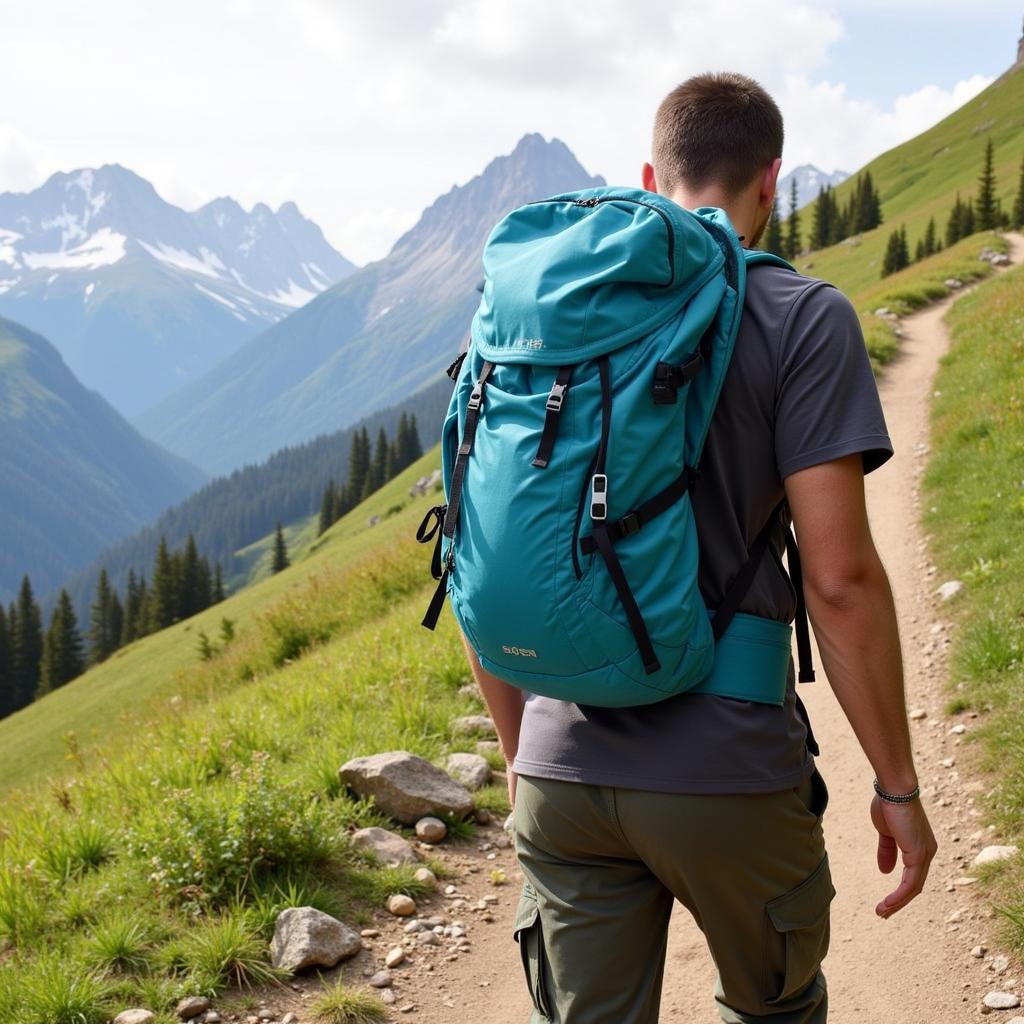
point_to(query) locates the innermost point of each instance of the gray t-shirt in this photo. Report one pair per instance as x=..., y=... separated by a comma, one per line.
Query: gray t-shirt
x=799, y=392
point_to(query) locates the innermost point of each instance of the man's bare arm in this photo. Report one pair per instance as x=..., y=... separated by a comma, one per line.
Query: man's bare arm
x=850, y=605
x=505, y=703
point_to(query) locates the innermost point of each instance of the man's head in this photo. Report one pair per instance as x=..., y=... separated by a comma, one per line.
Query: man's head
x=718, y=142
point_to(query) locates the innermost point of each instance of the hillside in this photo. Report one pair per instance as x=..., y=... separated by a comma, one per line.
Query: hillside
x=74, y=476
x=232, y=518
x=104, y=706
x=140, y=296
x=368, y=342
x=920, y=179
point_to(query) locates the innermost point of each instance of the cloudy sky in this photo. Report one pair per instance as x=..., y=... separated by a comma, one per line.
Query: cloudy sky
x=363, y=111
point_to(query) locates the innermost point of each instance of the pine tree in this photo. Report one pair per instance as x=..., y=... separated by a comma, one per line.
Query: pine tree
x=101, y=621
x=327, y=503
x=919, y=252
x=1017, y=217
x=164, y=597
x=144, y=616
x=792, y=225
x=131, y=610
x=985, y=212
x=929, y=238
x=821, y=224
x=62, y=657
x=897, y=255
x=773, y=241
x=190, y=593
x=27, y=646
x=954, y=226
x=280, y=551
x=968, y=223
x=358, y=466
x=413, y=447
x=904, y=250
x=218, y=585
x=379, y=467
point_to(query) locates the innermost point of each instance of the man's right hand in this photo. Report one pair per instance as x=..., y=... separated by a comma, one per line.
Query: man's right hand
x=903, y=829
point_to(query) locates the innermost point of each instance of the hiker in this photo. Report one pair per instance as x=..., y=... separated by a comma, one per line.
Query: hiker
x=709, y=799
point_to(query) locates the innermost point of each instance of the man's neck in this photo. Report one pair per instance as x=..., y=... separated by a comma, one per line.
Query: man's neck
x=741, y=208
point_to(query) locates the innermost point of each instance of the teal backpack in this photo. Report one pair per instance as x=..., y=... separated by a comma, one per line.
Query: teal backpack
x=568, y=544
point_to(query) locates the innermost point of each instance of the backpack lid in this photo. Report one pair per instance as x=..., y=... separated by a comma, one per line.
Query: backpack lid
x=580, y=274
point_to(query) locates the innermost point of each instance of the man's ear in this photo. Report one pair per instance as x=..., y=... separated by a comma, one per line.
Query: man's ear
x=647, y=178
x=769, y=181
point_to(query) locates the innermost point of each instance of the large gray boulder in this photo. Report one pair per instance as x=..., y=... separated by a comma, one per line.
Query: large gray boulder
x=387, y=847
x=307, y=937
x=406, y=786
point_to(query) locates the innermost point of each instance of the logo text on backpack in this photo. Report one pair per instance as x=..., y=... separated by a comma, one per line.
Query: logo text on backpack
x=528, y=343
x=523, y=652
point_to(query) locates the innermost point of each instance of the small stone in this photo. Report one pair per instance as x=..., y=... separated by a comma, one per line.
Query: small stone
x=471, y=770
x=959, y=729
x=396, y=955
x=1000, y=964
x=955, y=917
x=388, y=847
x=369, y=933
x=380, y=980
x=474, y=725
x=948, y=762
x=307, y=937
x=135, y=1017
x=964, y=880
x=950, y=589
x=408, y=1008
x=431, y=829
x=978, y=952
x=994, y=854
x=266, y=1015
x=450, y=890
x=212, y=1017
x=917, y=714
x=426, y=876
x=388, y=996
x=289, y=1018
x=427, y=939
x=488, y=747
x=415, y=925
x=482, y=816
x=401, y=905
x=192, y=1006
x=1001, y=1001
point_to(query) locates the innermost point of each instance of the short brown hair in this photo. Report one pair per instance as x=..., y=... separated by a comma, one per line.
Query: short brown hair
x=716, y=127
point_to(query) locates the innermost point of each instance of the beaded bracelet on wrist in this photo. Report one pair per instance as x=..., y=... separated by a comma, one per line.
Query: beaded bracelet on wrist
x=897, y=798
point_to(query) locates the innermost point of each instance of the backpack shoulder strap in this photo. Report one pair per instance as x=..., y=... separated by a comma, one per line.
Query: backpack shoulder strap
x=752, y=257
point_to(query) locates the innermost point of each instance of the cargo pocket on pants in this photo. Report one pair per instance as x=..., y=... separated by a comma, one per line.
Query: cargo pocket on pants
x=800, y=918
x=530, y=937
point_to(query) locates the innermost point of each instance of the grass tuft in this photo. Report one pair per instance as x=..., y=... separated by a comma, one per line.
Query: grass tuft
x=341, y=1005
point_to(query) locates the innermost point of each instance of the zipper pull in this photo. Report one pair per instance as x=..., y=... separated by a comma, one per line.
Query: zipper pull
x=586, y=202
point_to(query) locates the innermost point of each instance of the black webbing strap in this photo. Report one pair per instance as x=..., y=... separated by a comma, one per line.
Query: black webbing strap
x=436, y=602
x=476, y=400
x=428, y=530
x=603, y=541
x=622, y=588
x=633, y=521
x=456, y=366
x=554, y=409
x=668, y=379
x=730, y=603
x=812, y=743
x=803, y=633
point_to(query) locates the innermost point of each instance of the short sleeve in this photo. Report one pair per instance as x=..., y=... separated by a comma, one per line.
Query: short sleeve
x=827, y=403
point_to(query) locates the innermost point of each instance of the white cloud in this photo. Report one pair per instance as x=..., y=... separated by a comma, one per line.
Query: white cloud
x=826, y=126
x=365, y=112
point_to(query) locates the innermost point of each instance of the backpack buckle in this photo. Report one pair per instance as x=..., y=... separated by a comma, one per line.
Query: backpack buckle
x=664, y=390
x=629, y=524
x=556, y=398
x=599, y=497
x=476, y=398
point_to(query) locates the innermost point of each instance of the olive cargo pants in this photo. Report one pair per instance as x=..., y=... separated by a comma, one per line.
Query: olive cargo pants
x=603, y=864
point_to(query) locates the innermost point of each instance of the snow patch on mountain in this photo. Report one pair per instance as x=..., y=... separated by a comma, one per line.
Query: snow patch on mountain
x=99, y=250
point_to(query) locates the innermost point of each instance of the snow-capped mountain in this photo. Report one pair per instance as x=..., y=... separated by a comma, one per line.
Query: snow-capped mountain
x=368, y=342
x=810, y=180
x=141, y=296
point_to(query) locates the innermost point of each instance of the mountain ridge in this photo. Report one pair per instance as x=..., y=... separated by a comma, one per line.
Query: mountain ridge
x=139, y=294
x=369, y=341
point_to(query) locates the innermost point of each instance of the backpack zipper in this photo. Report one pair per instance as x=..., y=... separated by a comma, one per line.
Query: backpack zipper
x=597, y=200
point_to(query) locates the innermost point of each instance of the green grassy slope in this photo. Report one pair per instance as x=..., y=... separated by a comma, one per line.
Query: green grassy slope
x=920, y=178
x=138, y=679
x=975, y=512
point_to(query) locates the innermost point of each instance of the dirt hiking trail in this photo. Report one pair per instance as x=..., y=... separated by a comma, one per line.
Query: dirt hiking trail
x=915, y=968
